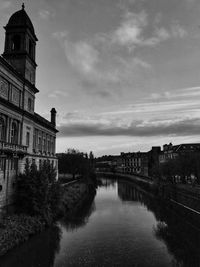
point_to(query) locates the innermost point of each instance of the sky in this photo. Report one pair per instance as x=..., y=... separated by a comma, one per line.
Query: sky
x=123, y=75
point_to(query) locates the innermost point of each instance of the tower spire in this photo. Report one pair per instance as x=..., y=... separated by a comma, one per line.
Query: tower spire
x=23, y=6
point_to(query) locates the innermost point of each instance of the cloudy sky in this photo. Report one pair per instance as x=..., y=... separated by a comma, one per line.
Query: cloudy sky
x=124, y=75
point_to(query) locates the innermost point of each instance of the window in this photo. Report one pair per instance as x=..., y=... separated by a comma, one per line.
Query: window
x=40, y=164
x=2, y=164
x=44, y=144
x=14, y=164
x=27, y=139
x=14, y=135
x=2, y=129
x=16, y=43
x=40, y=143
x=34, y=163
x=29, y=104
x=4, y=88
x=30, y=48
x=36, y=138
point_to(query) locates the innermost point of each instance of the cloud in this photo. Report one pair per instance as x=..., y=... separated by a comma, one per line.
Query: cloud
x=60, y=35
x=178, y=31
x=58, y=93
x=160, y=35
x=5, y=5
x=109, y=60
x=46, y=14
x=177, y=128
x=81, y=55
x=130, y=30
x=99, y=70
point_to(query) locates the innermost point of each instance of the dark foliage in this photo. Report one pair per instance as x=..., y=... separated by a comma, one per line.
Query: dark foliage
x=182, y=167
x=76, y=163
x=17, y=229
x=37, y=192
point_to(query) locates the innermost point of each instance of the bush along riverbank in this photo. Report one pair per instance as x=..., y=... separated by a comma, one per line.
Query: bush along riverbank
x=40, y=201
x=74, y=197
x=16, y=229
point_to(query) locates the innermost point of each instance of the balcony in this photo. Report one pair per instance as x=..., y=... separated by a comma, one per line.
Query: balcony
x=9, y=148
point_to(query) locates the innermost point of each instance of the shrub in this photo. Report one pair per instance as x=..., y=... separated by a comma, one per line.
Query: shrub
x=17, y=229
x=37, y=192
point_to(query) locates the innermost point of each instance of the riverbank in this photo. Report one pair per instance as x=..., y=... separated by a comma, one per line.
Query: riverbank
x=184, y=200
x=18, y=228
x=74, y=194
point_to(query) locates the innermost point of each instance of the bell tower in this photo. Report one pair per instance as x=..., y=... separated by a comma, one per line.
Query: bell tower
x=20, y=44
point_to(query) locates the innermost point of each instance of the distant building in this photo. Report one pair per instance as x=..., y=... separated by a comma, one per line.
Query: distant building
x=135, y=163
x=154, y=160
x=25, y=136
x=171, y=151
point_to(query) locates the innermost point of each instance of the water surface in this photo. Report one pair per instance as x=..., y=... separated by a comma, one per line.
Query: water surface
x=122, y=226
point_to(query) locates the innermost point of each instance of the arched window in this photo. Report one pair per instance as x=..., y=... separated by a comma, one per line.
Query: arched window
x=2, y=129
x=16, y=43
x=29, y=104
x=14, y=133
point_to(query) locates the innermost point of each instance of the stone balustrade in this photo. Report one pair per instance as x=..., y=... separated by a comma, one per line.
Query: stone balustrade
x=12, y=148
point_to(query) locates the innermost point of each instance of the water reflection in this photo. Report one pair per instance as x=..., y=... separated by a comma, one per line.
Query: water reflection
x=182, y=239
x=81, y=215
x=103, y=182
x=40, y=250
x=120, y=226
x=128, y=192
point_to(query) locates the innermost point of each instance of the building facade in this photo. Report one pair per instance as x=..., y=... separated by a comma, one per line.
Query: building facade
x=171, y=151
x=135, y=163
x=25, y=136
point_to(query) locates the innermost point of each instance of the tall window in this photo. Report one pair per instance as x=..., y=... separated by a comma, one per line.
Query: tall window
x=14, y=164
x=14, y=134
x=28, y=139
x=29, y=104
x=16, y=43
x=30, y=48
x=44, y=143
x=2, y=129
x=2, y=164
x=40, y=143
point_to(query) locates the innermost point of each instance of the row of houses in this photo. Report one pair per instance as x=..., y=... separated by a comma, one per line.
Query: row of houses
x=144, y=163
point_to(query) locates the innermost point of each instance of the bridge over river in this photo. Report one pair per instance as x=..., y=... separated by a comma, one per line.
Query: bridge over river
x=120, y=226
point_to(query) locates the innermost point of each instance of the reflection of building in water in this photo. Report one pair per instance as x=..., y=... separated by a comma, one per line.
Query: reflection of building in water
x=127, y=192
x=109, y=164
x=107, y=182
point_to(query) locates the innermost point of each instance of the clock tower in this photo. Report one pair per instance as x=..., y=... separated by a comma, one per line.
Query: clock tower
x=20, y=44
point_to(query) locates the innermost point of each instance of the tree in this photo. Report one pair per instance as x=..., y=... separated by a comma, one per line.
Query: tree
x=183, y=166
x=75, y=163
x=37, y=191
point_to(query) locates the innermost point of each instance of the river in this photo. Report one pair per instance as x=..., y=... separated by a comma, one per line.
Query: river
x=120, y=226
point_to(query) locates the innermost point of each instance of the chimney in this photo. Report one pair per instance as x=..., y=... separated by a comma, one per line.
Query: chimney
x=53, y=116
